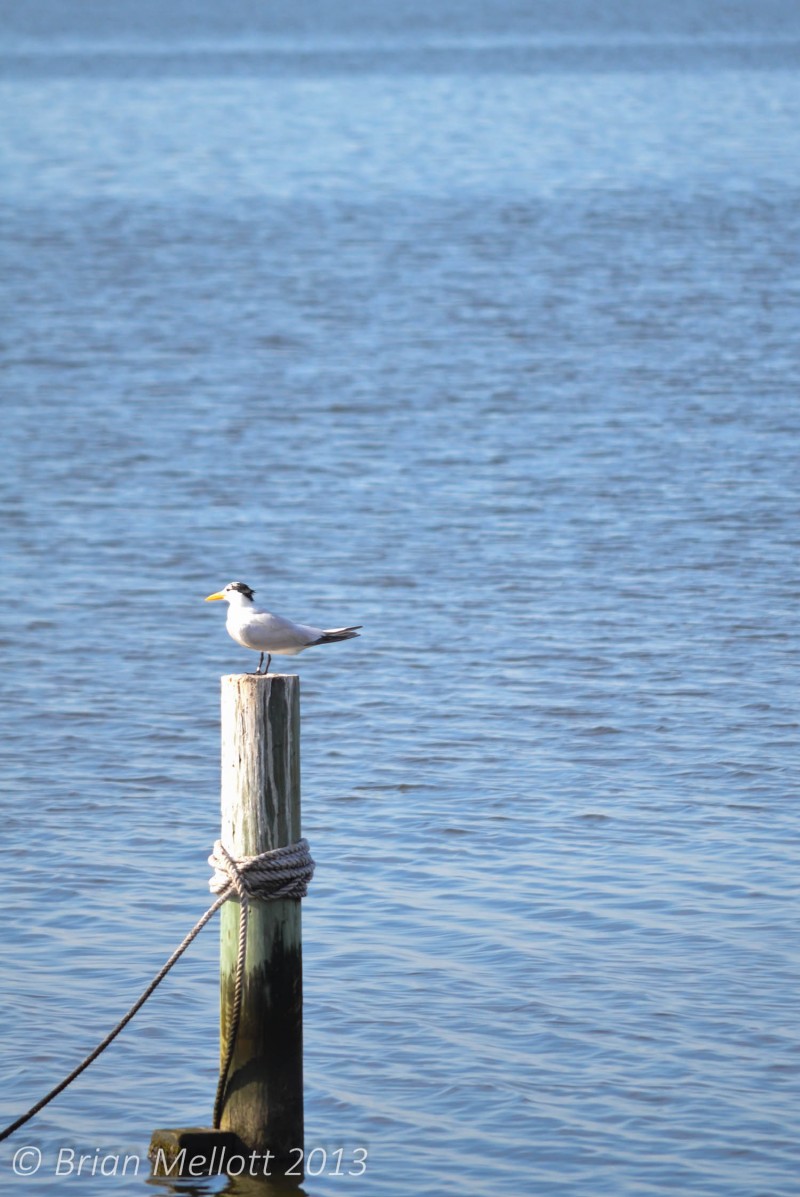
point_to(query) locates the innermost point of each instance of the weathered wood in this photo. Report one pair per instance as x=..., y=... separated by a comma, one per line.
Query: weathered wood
x=193, y=1151
x=261, y=811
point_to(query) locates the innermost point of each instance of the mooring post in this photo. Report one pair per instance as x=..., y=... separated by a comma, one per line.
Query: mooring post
x=262, y=1108
x=263, y=1102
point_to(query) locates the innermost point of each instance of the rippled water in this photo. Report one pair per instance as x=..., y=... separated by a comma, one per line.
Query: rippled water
x=502, y=362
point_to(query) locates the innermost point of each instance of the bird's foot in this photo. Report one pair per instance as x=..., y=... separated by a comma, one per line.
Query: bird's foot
x=259, y=672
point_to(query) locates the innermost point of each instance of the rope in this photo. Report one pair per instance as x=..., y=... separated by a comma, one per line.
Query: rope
x=282, y=873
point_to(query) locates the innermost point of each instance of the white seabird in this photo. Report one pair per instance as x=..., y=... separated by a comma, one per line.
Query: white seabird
x=270, y=634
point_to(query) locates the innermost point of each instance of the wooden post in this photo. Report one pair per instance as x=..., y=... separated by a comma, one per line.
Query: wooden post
x=261, y=811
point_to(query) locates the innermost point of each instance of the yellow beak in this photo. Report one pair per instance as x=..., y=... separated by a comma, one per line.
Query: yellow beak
x=212, y=597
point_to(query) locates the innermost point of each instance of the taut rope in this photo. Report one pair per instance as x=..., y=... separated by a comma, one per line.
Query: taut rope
x=281, y=873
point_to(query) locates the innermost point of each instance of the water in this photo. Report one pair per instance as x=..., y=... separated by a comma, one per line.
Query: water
x=484, y=336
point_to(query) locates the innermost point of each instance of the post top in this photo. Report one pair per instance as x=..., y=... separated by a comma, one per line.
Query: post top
x=257, y=676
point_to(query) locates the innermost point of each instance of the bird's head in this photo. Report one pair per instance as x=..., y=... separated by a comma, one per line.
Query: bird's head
x=234, y=592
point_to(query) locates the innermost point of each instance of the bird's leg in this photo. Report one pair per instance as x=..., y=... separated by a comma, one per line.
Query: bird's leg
x=258, y=669
x=269, y=659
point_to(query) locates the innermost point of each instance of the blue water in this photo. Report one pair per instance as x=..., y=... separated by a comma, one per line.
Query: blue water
x=487, y=337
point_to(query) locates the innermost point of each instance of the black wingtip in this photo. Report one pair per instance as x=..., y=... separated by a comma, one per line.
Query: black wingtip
x=339, y=634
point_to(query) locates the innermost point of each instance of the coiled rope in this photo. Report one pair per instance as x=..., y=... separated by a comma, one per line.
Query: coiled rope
x=280, y=873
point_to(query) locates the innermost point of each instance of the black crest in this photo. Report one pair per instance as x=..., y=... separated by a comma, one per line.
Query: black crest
x=243, y=588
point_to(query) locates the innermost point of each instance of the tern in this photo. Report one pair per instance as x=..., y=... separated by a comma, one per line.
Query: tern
x=270, y=634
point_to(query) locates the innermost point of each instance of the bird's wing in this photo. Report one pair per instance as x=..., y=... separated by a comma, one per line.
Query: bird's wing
x=272, y=633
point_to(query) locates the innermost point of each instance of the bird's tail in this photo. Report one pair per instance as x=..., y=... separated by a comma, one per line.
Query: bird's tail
x=334, y=634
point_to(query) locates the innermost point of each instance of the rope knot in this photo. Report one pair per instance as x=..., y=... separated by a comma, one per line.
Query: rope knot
x=280, y=873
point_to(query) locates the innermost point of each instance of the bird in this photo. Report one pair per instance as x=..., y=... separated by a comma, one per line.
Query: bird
x=270, y=634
